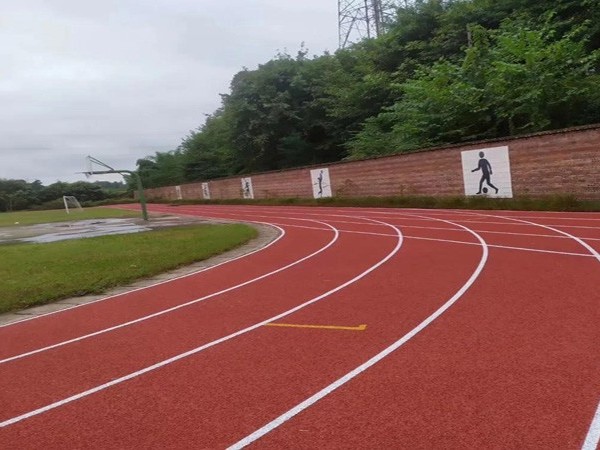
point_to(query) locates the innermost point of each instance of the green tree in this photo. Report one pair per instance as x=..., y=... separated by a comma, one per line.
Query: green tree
x=445, y=72
x=208, y=152
x=278, y=117
x=162, y=169
x=514, y=80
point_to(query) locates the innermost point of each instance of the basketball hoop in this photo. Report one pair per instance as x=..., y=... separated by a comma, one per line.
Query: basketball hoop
x=90, y=161
x=88, y=166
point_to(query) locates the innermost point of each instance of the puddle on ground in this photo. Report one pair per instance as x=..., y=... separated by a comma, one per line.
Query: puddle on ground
x=60, y=231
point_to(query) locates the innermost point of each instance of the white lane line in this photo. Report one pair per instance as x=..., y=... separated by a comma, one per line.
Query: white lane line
x=452, y=241
x=208, y=345
x=507, y=247
x=459, y=220
x=396, y=216
x=280, y=236
x=525, y=223
x=548, y=227
x=592, y=440
x=458, y=211
x=502, y=232
x=374, y=360
x=517, y=216
x=555, y=218
x=183, y=305
x=387, y=212
x=553, y=236
x=593, y=437
x=442, y=212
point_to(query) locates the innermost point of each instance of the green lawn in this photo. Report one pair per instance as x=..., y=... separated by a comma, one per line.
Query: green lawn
x=34, y=274
x=59, y=215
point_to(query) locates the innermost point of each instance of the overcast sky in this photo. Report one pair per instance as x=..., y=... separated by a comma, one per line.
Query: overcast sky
x=123, y=79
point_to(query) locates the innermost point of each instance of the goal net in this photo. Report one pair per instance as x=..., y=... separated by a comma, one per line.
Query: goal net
x=71, y=203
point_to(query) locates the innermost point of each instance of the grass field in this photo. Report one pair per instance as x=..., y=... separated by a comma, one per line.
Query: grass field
x=34, y=274
x=59, y=215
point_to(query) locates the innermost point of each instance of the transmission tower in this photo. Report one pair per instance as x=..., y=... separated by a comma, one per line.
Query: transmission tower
x=360, y=19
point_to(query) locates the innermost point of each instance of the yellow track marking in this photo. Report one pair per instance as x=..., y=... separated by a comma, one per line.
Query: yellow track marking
x=321, y=327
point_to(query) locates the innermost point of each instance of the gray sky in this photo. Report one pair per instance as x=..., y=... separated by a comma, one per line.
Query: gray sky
x=123, y=79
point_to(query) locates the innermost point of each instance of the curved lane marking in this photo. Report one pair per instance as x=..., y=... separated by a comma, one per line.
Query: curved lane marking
x=580, y=241
x=592, y=439
x=396, y=215
x=374, y=360
x=209, y=344
x=429, y=219
x=280, y=236
x=174, y=308
x=388, y=212
x=451, y=241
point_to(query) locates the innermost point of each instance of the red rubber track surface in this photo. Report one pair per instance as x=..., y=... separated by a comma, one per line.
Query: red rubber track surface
x=514, y=363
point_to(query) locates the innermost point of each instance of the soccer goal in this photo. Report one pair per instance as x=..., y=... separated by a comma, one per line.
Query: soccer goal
x=71, y=203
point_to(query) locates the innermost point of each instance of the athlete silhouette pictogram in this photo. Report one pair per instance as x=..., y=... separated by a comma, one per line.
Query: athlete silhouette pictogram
x=486, y=172
x=320, y=180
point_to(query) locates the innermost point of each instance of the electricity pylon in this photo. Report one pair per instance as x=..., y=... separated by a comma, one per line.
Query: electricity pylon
x=360, y=19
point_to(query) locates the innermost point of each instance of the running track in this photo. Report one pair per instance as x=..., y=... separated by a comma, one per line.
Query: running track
x=455, y=329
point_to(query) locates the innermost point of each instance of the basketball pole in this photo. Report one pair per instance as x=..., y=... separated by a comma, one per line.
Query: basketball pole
x=135, y=175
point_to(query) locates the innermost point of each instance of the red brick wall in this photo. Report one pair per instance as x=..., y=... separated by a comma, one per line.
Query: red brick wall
x=561, y=162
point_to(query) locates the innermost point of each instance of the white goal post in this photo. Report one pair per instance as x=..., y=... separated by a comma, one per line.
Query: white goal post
x=71, y=203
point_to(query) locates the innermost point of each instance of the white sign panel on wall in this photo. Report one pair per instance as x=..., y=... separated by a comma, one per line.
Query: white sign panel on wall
x=487, y=172
x=321, y=183
x=178, y=192
x=247, y=191
x=205, y=191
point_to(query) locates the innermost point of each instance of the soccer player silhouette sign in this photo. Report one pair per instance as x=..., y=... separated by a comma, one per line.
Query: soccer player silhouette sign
x=487, y=172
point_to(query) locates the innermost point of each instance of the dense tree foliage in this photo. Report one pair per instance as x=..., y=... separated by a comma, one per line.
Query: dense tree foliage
x=19, y=194
x=445, y=72
x=511, y=81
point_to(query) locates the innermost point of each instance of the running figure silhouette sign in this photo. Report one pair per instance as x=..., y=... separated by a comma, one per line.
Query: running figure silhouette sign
x=247, y=190
x=321, y=183
x=487, y=172
x=205, y=191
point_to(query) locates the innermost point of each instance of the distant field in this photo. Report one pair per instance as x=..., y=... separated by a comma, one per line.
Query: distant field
x=59, y=215
x=34, y=274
